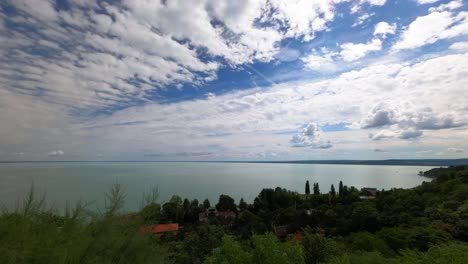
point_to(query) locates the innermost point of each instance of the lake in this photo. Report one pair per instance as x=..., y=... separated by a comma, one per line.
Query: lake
x=63, y=183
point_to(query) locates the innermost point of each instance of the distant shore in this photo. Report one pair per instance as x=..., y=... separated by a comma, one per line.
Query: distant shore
x=393, y=162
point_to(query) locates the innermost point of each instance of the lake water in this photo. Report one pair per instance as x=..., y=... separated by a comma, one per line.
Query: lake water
x=63, y=183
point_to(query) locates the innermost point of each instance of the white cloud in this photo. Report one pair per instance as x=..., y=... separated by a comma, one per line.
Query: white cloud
x=383, y=28
x=410, y=134
x=461, y=46
x=116, y=55
x=444, y=25
x=94, y=75
x=383, y=134
x=449, y=6
x=422, y=2
x=319, y=62
x=55, y=153
x=310, y=136
x=362, y=18
x=381, y=115
x=352, y=51
x=357, y=6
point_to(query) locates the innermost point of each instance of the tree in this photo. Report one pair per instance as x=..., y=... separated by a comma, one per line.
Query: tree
x=229, y=252
x=307, y=188
x=242, y=204
x=268, y=249
x=318, y=248
x=332, y=191
x=206, y=204
x=186, y=204
x=194, y=203
x=340, y=189
x=316, y=189
x=226, y=203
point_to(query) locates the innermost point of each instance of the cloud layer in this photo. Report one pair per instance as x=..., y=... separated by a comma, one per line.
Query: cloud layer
x=94, y=80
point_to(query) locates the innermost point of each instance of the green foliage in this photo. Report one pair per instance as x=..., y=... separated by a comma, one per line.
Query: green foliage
x=226, y=203
x=206, y=204
x=332, y=191
x=318, y=248
x=230, y=252
x=307, y=188
x=453, y=253
x=365, y=216
x=269, y=250
x=197, y=242
x=242, y=204
x=316, y=189
x=426, y=224
x=38, y=236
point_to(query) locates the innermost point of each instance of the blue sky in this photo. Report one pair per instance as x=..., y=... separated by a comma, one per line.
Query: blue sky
x=233, y=80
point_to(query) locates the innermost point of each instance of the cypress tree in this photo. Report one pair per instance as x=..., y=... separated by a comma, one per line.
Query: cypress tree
x=332, y=191
x=307, y=188
x=340, y=189
x=316, y=189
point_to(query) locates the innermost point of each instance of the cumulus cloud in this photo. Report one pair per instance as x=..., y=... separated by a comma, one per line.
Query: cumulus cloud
x=384, y=28
x=410, y=134
x=310, y=136
x=55, y=153
x=381, y=115
x=355, y=51
x=115, y=64
x=408, y=123
x=444, y=25
x=352, y=51
x=319, y=62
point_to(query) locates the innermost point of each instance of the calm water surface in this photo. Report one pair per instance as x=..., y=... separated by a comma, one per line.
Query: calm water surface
x=64, y=183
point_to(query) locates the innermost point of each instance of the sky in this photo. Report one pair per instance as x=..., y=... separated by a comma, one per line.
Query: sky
x=233, y=80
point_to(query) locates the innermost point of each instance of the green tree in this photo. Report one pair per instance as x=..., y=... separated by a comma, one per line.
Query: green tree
x=269, y=250
x=307, y=188
x=206, y=204
x=242, y=204
x=230, y=252
x=226, y=203
x=318, y=248
x=316, y=189
x=364, y=216
x=340, y=189
x=332, y=191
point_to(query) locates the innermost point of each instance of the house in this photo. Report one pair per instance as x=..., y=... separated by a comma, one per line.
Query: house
x=368, y=193
x=281, y=231
x=160, y=228
x=204, y=216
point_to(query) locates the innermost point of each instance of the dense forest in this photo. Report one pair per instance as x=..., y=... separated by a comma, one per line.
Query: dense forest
x=325, y=224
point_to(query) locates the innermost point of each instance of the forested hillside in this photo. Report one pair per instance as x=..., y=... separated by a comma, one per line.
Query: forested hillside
x=426, y=224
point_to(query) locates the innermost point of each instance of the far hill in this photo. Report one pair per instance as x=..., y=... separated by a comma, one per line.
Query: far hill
x=415, y=162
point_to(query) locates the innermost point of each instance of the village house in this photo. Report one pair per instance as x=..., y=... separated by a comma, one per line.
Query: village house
x=212, y=212
x=368, y=193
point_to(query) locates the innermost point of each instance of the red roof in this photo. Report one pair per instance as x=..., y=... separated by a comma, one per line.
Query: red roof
x=162, y=228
